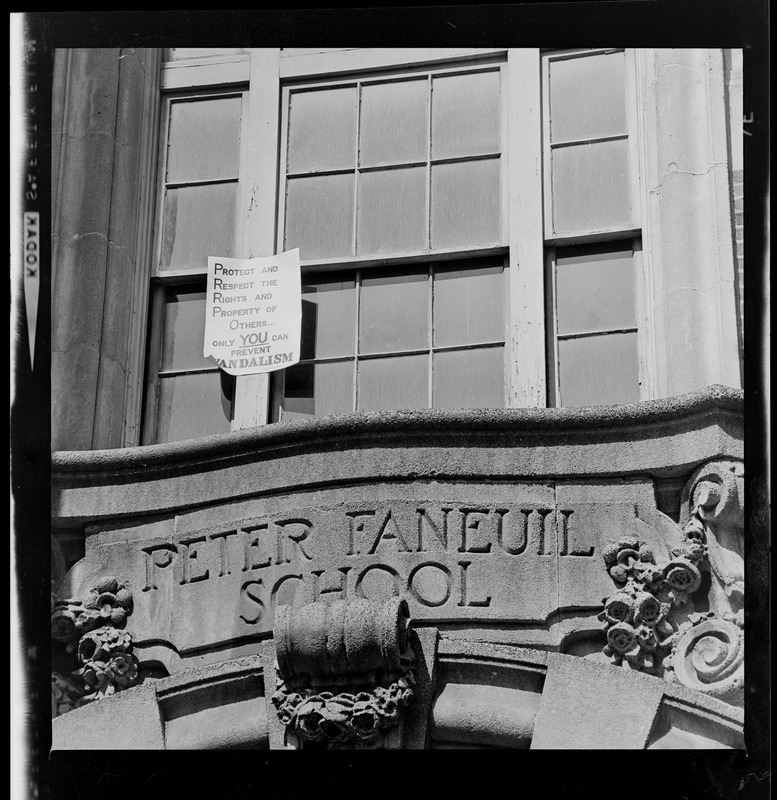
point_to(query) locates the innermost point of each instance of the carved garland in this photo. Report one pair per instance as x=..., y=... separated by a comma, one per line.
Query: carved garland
x=91, y=629
x=343, y=718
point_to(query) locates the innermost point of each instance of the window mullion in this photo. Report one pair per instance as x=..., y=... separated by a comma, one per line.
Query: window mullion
x=256, y=223
x=526, y=343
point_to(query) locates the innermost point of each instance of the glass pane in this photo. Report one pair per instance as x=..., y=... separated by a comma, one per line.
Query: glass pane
x=317, y=389
x=587, y=97
x=183, y=330
x=322, y=130
x=599, y=370
x=204, y=140
x=594, y=290
x=591, y=186
x=393, y=125
x=465, y=115
x=329, y=315
x=392, y=211
x=392, y=383
x=394, y=313
x=197, y=223
x=193, y=405
x=319, y=216
x=469, y=303
x=465, y=204
x=469, y=378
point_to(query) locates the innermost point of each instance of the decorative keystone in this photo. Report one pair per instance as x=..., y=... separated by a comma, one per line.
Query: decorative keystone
x=344, y=670
x=90, y=628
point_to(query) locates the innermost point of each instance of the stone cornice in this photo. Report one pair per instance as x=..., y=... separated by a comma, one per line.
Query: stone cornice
x=660, y=437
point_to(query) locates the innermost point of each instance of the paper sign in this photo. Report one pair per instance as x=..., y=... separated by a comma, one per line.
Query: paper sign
x=253, y=313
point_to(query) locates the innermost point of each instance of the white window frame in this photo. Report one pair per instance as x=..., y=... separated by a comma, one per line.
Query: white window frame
x=271, y=73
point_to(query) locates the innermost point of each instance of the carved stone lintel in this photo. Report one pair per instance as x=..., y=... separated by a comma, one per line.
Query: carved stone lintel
x=344, y=670
x=90, y=629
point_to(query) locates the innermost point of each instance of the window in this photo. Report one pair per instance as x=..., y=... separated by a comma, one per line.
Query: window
x=187, y=395
x=404, y=170
x=468, y=224
x=591, y=222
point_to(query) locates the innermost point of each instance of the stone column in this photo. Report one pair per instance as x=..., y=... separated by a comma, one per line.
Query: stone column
x=688, y=235
x=104, y=140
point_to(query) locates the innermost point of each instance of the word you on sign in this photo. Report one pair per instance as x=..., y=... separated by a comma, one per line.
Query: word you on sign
x=253, y=313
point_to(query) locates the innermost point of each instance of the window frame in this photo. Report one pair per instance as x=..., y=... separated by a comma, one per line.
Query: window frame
x=270, y=73
x=632, y=234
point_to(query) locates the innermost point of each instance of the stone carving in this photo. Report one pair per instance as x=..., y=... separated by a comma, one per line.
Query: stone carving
x=708, y=655
x=91, y=630
x=639, y=615
x=651, y=621
x=344, y=670
x=713, y=513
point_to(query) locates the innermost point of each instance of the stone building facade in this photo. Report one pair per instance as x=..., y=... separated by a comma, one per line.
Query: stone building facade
x=499, y=503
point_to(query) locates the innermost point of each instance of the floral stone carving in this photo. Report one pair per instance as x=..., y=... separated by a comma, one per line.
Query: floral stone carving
x=639, y=615
x=344, y=670
x=652, y=623
x=90, y=629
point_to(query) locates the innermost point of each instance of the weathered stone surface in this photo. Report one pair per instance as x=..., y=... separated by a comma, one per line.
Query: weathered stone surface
x=126, y=721
x=662, y=438
x=591, y=706
x=344, y=671
x=489, y=526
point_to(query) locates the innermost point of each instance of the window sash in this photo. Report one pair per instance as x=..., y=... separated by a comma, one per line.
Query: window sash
x=602, y=233
x=421, y=70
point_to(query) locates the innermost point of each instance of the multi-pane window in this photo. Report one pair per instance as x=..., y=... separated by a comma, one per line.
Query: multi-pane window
x=199, y=163
x=402, y=169
x=411, y=182
x=379, y=167
x=591, y=227
x=429, y=336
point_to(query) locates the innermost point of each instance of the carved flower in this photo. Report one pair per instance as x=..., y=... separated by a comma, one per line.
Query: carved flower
x=63, y=625
x=88, y=620
x=335, y=730
x=123, y=669
x=619, y=608
x=365, y=721
x=683, y=578
x=649, y=610
x=118, y=616
x=124, y=598
x=308, y=722
x=619, y=573
x=622, y=638
x=610, y=553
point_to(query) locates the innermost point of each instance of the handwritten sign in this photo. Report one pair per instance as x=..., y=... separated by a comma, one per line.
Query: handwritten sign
x=253, y=313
